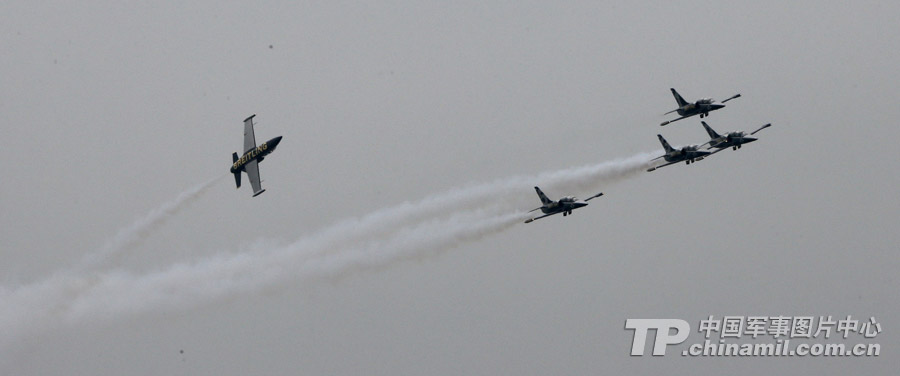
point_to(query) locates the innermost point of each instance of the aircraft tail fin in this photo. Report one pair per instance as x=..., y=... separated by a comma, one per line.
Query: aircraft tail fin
x=543, y=197
x=237, y=174
x=665, y=144
x=678, y=98
x=709, y=130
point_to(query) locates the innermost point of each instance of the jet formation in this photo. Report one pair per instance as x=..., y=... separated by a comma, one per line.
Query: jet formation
x=693, y=153
x=687, y=154
x=252, y=154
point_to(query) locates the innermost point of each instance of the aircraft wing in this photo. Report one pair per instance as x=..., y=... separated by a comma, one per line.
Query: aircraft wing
x=593, y=197
x=761, y=128
x=673, y=120
x=252, y=169
x=661, y=166
x=249, y=137
x=732, y=97
x=545, y=215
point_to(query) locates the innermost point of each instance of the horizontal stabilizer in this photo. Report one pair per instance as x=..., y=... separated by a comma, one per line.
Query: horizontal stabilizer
x=237, y=174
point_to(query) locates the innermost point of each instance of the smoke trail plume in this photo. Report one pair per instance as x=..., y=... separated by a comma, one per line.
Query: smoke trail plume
x=505, y=195
x=67, y=299
x=138, y=231
x=410, y=230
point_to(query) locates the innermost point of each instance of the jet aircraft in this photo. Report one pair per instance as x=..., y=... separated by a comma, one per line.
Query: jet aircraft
x=701, y=107
x=730, y=139
x=687, y=154
x=249, y=161
x=564, y=205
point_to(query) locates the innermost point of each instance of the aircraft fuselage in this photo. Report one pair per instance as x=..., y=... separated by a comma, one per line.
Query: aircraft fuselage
x=698, y=108
x=563, y=206
x=733, y=140
x=687, y=153
x=257, y=153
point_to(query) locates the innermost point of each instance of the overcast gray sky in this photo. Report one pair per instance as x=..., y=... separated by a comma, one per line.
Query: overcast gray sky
x=111, y=110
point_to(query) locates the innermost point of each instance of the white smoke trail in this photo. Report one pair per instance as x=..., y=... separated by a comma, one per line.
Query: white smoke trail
x=138, y=231
x=67, y=299
x=505, y=195
x=418, y=229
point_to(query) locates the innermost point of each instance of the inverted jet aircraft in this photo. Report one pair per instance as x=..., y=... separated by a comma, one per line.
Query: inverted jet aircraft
x=687, y=154
x=249, y=161
x=734, y=140
x=701, y=107
x=564, y=205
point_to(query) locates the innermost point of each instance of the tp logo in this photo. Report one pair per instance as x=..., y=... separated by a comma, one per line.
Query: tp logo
x=663, y=338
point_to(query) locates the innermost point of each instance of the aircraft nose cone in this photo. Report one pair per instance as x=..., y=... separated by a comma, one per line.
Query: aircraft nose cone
x=749, y=139
x=275, y=141
x=580, y=204
x=716, y=106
